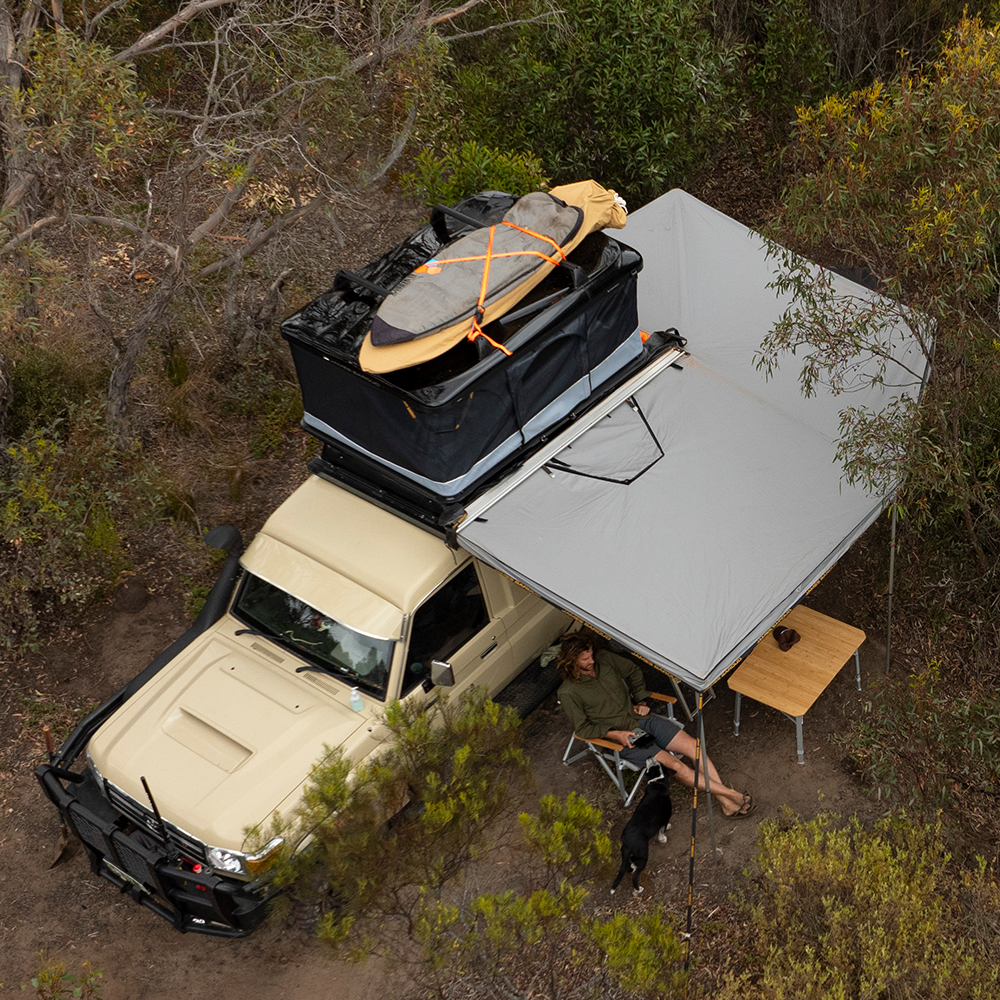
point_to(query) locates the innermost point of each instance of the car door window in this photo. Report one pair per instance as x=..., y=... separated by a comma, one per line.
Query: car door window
x=447, y=620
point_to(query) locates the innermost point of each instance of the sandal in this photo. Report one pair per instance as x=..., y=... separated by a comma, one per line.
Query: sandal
x=746, y=807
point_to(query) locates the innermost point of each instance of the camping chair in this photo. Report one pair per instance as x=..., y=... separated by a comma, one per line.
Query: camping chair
x=609, y=757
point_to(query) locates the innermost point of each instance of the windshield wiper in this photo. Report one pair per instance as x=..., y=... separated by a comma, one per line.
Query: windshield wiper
x=318, y=669
x=291, y=646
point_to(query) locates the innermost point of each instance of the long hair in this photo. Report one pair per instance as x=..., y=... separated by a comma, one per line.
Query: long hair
x=570, y=648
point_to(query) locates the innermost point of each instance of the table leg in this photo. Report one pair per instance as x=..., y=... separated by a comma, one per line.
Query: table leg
x=798, y=738
x=857, y=668
x=736, y=716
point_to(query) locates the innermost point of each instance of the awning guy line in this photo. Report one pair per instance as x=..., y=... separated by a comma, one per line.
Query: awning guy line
x=580, y=426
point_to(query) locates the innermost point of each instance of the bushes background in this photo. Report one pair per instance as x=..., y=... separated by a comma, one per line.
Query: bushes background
x=634, y=93
x=834, y=910
x=69, y=497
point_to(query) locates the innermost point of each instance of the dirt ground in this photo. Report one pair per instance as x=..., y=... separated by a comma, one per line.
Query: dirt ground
x=70, y=914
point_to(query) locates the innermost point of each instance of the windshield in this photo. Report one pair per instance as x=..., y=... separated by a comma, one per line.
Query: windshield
x=356, y=658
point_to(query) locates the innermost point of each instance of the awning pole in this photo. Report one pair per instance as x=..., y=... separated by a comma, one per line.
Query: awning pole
x=694, y=829
x=892, y=573
x=708, y=780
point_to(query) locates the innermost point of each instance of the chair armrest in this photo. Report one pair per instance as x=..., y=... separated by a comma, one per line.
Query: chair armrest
x=670, y=699
x=600, y=742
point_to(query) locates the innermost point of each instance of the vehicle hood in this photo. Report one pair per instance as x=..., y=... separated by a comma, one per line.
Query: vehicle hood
x=227, y=734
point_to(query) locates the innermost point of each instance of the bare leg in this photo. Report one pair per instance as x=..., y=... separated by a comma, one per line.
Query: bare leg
x=686, y=746
x=730, y=800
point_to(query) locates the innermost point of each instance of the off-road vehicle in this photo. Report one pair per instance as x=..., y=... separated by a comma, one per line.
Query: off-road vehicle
x=355, y=591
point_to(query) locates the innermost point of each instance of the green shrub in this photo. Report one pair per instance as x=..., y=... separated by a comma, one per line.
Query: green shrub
x=175, y=363
x=195, y=596
x=927, y=745
x=837, y=912
x=67, y=73
x=45, y=384
x=68, y=496
x=456, y=765
x=635, y=94
x=902, y=179
x=506, y=943
x=459, y=172
x=871, y=37
x=278, y=413
x=792, y=65
x=257, y=390
x=567, y=835
x=53, y=981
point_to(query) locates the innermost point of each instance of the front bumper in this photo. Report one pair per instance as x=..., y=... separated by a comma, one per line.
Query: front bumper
x=157, y=874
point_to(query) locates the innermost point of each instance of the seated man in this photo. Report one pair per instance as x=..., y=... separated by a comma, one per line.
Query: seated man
x=602, y=694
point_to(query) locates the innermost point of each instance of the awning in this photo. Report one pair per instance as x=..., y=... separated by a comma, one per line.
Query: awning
x=695, y=506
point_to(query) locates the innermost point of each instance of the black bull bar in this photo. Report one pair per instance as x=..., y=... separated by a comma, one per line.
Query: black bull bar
x=190, y=896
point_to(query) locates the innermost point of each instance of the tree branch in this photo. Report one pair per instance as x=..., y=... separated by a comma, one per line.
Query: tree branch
x=277, y=227
x=256, y=109
x=150, y=38
x=91, y=24
x=397, y=147
x=460, y=35
x=28, y=233
x=449, y=14
x=20, y=179
x=232, y=196
x=130, y=227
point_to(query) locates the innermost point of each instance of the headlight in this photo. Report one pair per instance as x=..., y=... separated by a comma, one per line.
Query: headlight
x=238, y=863
x=227, y=861
x=93, y=767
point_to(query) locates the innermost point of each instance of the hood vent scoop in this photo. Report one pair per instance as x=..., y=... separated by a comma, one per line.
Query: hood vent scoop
x=205, y=740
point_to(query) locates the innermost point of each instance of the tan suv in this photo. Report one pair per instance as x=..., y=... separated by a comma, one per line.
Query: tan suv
x=335, y=608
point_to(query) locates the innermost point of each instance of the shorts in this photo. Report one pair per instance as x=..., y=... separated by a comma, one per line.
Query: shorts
x=662, y=729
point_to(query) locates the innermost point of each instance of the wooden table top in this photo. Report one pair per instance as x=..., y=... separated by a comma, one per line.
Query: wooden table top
x=792, y=681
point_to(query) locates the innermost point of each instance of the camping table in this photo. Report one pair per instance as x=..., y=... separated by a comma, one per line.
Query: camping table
x=791, y=682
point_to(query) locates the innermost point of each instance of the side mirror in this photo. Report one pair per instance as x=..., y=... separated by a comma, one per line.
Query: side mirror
x=225, y=537
x=442, y=674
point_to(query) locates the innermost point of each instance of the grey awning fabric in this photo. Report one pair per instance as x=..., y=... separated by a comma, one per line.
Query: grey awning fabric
x=688, y=556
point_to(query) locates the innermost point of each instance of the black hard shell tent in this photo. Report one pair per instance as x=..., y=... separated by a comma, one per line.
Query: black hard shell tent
x=446, y=425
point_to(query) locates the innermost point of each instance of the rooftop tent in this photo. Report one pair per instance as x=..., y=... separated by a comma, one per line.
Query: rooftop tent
x=699, y=502
x=402, y=386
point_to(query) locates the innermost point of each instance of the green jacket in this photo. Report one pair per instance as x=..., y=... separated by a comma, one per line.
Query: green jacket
x=596, y=705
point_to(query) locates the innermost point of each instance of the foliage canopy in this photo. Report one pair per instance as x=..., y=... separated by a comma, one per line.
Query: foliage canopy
x=901, y=181
x=634, y=94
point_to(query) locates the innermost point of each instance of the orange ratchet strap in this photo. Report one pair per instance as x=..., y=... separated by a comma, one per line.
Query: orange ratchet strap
x=477, y=317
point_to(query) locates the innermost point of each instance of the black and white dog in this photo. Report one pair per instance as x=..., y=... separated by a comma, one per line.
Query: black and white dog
x=651, y=817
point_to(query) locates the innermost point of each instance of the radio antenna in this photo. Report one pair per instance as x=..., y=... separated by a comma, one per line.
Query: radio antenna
x=156, y=812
